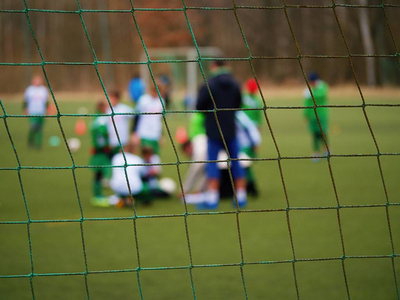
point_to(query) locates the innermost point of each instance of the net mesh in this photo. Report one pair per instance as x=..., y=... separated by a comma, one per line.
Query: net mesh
x=251, y=60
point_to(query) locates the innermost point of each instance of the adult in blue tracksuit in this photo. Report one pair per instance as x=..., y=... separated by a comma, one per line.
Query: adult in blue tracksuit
x=225, y=91
x=136, y=88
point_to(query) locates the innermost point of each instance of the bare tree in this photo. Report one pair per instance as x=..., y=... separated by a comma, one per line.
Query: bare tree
x=368, y=44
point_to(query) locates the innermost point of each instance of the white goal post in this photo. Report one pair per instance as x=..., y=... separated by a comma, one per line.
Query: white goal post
x=185, y=53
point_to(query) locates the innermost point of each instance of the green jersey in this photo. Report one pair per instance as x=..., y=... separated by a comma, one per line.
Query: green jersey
x=253, y=101
x=99, y=133
x=320, y=92
x=197, y=125
x=100, y=155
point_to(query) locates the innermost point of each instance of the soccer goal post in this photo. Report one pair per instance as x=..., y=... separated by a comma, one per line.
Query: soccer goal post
x=184, y=66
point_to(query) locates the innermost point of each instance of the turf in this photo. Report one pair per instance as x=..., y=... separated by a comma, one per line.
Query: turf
x=214, y=239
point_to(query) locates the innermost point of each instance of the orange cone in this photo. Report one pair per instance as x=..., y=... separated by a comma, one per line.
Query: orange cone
x=80, y=127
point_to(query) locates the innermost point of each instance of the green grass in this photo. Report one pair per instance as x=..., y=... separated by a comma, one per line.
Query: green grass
x=214, y=240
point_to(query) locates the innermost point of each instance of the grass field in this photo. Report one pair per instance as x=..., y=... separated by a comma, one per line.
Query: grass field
x=163, y=242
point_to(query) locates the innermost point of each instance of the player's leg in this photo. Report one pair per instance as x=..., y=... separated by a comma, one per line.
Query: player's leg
x=97, y=187
x=324, y=143
x=238, y=173
x=213, y=176
x=98, y=198
x=31, y=133
x=251, y=185
x=145, y=196
x=99, y=174
x=39, y=132
x=316, y=142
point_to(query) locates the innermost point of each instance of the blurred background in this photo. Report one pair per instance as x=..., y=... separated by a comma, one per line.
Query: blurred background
x=293, y=242
x=264, y=24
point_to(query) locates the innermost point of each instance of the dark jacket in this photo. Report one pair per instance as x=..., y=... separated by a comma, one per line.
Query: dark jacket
x=226, y=94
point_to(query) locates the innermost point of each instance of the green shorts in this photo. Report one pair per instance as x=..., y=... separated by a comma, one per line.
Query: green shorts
x=150, y=144
x=249, y=151
x=143, y=196
x=101, y=159
x=36, y=122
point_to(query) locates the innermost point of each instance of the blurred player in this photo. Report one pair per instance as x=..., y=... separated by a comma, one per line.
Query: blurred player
x=226, y=94
x=249, y=138
x=136, y=88
x=319, y=90
x=252, y=100
x=100, y=154
x=195, y=147
x=131, y=175
x=122, y=121
x=36, y=105
x=167, y=89
x=152, y=172
x=148, y=125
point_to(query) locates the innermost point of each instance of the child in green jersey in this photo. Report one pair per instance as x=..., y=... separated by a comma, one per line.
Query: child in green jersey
x=319, y=91
x=252, y=102
x=100, y=154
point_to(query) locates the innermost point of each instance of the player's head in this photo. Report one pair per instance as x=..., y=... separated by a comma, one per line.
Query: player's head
x=251, y=86
x=101, y=106
x=114, y=97
x=313, y=77
x=37, y=80
x=130, y=147
x=161, y=88
x=218, y=63
x=147, y=152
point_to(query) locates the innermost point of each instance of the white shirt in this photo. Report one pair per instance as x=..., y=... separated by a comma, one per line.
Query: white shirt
x=122, y=123
x=118, y=182
x=306, y=91
x=247, y=132
x=36, y=99
x=154, y=159
x=149, y=126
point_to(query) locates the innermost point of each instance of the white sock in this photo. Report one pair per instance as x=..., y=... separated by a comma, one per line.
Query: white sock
x=241, y=195
x=195, y=198
x=212, y=197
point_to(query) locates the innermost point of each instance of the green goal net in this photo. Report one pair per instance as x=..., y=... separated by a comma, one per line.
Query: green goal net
x=324, y=225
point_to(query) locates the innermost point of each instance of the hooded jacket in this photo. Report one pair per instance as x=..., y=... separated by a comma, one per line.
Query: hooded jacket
x=226, y=93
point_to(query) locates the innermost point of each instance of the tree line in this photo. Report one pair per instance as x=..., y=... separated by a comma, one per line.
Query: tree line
x=356, y=39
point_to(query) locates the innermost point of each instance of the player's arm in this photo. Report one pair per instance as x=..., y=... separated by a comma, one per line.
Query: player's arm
x=134, y=136
x=307, y=102
x=135, y=122
x=239, y=98
x=138, y=109
x=259, y=113
x=155, y=170
x=204, y=99
x=25, y=104
x=49, y=109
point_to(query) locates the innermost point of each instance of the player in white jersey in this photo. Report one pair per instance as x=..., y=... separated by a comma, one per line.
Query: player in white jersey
x=133, y=176
x=35, y=106
x=122, y=119
x=149, y=125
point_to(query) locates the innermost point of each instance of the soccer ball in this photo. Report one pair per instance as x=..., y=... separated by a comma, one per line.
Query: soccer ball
x=54, y=141
x=168, y=185
x=74, y=144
